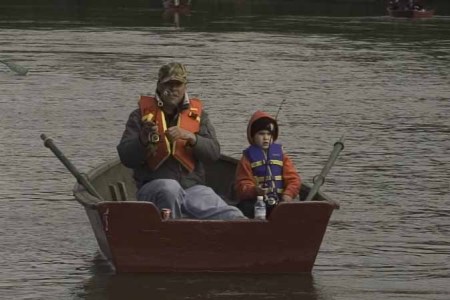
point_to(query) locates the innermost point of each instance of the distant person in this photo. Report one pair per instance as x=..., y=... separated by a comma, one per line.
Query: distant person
x=410, y=4
x=393, y=4
x=418, y=6
x=264, y=168
x=167, y=141
x=403, y=4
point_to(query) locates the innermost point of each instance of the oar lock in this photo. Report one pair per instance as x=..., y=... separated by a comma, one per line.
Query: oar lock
x=319, y=178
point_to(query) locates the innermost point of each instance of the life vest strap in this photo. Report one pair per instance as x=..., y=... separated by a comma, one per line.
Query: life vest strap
x=263, y=162
x=266, y=178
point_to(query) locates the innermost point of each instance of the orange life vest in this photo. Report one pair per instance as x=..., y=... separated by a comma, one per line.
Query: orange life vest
x=188, y=119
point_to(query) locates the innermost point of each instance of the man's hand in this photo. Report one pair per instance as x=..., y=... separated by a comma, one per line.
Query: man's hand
x=147, y=129
x=174, y=133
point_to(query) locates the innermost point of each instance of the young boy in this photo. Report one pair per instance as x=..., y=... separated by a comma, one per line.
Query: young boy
x=264, y=170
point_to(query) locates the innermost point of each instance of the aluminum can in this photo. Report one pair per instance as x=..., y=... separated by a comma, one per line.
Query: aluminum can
x=165, y=213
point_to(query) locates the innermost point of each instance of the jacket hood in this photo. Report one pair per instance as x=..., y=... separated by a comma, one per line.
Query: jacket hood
x=258, y=115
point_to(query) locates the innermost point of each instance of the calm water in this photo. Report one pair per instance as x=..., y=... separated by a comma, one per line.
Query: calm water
x=383, y=83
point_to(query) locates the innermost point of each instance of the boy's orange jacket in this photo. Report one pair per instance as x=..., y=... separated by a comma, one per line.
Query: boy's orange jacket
x=245, y=184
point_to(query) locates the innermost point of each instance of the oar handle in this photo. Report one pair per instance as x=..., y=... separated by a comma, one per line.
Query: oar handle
x=320, y=179
x=81, y=178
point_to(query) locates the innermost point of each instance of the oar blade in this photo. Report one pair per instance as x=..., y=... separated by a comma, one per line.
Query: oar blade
x=19, y=70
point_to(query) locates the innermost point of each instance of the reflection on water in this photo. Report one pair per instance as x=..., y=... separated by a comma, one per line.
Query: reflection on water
x=173, y=11
x=382, y=81
x=105, y=285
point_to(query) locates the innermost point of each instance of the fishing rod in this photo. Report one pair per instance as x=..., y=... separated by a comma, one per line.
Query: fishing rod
x=279, y=108
x=318, y=180
x=272, y=200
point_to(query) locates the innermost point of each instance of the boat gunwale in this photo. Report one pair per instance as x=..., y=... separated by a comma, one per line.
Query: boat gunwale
x=89, y=201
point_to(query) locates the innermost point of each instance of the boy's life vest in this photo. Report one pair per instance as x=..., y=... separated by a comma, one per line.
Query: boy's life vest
x=268, y=172
x=188, y=119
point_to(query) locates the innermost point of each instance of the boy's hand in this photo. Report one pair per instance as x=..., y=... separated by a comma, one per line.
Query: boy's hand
x=261, y=191
x=286, y=198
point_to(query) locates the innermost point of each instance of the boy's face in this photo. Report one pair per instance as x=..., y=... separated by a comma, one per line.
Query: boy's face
x=263, y=139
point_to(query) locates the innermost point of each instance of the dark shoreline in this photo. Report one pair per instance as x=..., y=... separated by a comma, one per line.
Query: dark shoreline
x=145, y=12
x=294, y=6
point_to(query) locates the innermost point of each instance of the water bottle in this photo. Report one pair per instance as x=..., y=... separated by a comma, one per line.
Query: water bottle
x=260, y=208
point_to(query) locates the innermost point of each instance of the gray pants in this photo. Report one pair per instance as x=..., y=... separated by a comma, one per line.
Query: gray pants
x=198, y=201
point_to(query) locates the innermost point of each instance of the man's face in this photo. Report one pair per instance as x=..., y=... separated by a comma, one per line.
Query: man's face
x=172, y=93
x=263, y=139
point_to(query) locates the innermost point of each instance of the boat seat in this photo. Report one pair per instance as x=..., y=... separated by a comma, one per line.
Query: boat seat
x=118, y=191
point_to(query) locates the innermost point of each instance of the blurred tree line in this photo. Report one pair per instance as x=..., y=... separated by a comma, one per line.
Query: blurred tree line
x=225, y=7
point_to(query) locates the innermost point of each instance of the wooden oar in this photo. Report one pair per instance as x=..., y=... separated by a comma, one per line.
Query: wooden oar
x=320, y=179
x=15, y=67
x=81, y=178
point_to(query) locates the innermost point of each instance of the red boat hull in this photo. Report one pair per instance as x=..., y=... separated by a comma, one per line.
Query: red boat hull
x=413, y=14
x=138, y=240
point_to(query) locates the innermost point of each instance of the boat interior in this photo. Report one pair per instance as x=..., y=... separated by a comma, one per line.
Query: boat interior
x=114, y=182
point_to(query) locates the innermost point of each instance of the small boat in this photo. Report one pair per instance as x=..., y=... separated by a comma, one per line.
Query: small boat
x=133, y=236
x=410, y=13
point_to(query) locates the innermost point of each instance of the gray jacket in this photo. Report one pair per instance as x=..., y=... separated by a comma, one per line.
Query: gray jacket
x=132, y=154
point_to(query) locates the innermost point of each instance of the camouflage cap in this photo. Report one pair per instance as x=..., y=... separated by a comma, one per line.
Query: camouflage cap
x=172, y=71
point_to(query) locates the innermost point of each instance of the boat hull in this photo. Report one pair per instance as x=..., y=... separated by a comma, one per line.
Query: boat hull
x=139, y=241
x=134, y=238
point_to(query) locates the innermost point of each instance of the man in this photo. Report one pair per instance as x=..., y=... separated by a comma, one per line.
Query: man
x=166, y=142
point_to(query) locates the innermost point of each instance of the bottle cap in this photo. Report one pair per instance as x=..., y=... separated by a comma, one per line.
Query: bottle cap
x=259, y=198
